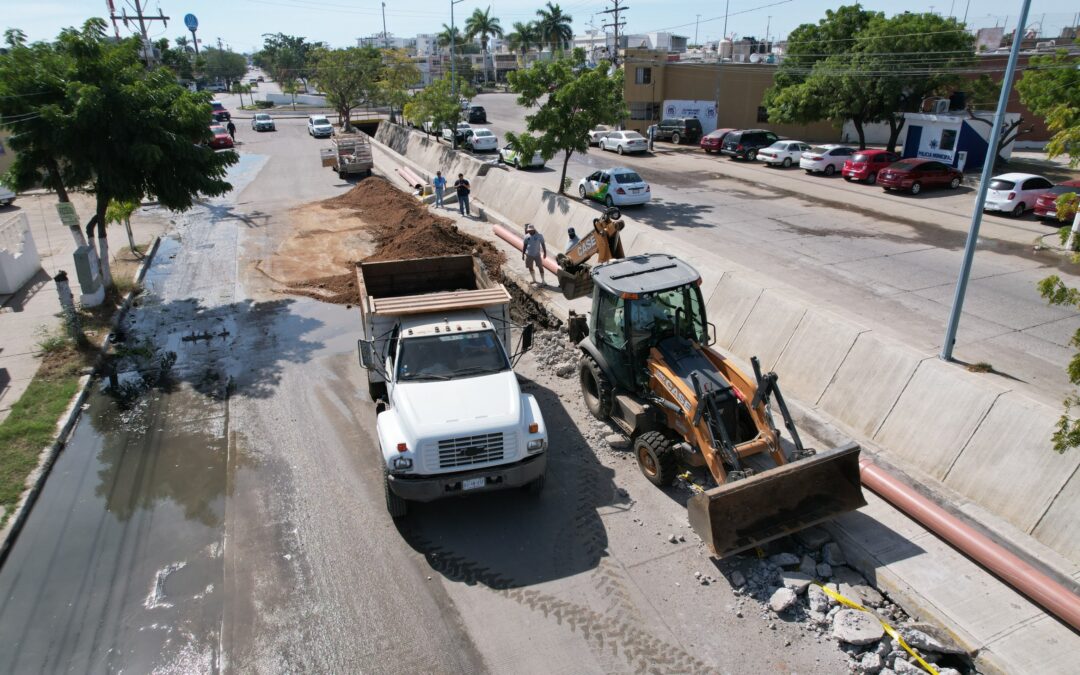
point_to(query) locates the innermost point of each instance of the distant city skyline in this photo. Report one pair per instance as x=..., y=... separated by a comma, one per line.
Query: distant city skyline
x=241, y=23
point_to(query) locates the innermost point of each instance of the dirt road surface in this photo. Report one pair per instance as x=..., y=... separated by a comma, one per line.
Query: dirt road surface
x=227, y=514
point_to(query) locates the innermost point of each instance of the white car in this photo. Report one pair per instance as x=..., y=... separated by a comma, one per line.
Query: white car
x=319, y=127
x=1015, y=193
x=827, y=159
x=6, y=196
x=263, y=122
x=618, y=186
x=508, y=155
x=624, y=141
x=598, y=132
x=783, y=153
x=463, y=129
x=482, y=140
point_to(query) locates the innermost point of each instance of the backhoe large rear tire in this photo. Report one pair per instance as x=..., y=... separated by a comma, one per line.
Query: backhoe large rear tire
x=656, y=458
x=595, y=388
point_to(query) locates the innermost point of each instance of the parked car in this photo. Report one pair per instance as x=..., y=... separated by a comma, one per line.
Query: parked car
x=221, y=138
x=783, y=153
x=1015, y=193
x=263, y=122
x=712, y=141
x=260, y=78
x=253, y=81
x=678, y=129
x=6, y=196
x=462, y=131
x=508, y=155
x=1046, y=204
x=865, y=165
x=217, y=88
x=482, y=140
x=598, y=132
x=219, y=112
x=319, y=127
x=916, y=174
x=828, y=159
x=624, y=141
x=477, y=114
x=618, y=186
x=745, y=143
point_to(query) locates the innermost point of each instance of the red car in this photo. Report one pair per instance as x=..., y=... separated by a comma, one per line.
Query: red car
x=865, y=165
x=221, y=138
x=219, y=112
x=915, y=174
x=711, y=141
x=1046, y=204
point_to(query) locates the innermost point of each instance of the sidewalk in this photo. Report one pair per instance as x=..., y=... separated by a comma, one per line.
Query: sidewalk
x=928, y=578
x=32, y=314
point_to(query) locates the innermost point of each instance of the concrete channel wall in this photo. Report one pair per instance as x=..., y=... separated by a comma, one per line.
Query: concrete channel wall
x=935, y=420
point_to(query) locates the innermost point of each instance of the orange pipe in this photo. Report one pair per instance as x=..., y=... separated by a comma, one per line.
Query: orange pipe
x=1041, y=589
x=517, y=242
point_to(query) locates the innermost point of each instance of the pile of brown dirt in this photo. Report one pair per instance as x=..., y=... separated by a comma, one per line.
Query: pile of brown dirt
x=402, y=228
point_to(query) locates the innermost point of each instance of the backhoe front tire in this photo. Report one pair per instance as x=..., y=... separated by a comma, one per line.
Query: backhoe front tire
x=656, y=458
x=595, y=388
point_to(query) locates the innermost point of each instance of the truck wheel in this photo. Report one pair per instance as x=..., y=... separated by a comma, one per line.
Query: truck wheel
x=535, y=487
x=675, y=138
x=376, y=390
x=595, y=388
x=656, y=458
x=395, y=505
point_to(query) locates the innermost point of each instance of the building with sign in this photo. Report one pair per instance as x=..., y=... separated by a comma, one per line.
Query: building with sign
x=955, y=138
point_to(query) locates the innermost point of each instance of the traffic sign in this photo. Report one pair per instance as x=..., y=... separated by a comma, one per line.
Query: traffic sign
x=191, y=22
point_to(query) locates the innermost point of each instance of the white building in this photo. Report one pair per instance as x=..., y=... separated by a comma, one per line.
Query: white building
x=377, y=40
x=427, y=44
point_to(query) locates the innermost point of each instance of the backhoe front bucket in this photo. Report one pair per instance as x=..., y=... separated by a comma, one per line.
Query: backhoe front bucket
x=747, y=513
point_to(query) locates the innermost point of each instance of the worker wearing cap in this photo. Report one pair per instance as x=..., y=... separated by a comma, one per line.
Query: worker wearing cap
x=533, y=250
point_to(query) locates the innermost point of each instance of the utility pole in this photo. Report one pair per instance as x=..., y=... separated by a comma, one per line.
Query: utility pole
x=614, y=11
x=696, y=22
x=727, y=3
x=385, y=37
x=980, y=196
x=142, y=19
x=453, y=71
x=768, y=24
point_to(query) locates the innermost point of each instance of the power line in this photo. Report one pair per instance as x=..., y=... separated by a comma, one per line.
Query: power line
x=614, y=11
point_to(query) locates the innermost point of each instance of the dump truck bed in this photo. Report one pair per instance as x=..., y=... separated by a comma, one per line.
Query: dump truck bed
x=351, y=153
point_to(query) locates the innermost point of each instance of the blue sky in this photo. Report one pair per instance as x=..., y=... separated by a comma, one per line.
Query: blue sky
x=240, y=23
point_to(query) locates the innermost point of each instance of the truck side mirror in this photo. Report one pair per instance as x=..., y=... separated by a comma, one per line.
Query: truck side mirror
x=526, y=338
x=367, y=354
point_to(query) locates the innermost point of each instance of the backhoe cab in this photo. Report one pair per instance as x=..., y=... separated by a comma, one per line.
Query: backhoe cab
x=648, y=367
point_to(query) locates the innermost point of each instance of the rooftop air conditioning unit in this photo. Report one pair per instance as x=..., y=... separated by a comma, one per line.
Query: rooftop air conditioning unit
x=941, y=106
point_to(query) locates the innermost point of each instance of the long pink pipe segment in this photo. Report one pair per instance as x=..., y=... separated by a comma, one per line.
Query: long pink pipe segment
x=1044, y=591
x=517, y=242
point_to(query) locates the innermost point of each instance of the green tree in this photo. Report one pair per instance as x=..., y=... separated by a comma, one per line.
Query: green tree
x=481, y=24
x=1067, y=434
x=524, y=36
x=348, y=77
x=399, y=73
x=436, y=107
x=568, y=102
x=555, y=27
x=287, y=57
x=120, y=131
x=120, y=213
x=223, y=65
x=448, y=37
x=183, y=43
x=291, y=87
x=1050, y=88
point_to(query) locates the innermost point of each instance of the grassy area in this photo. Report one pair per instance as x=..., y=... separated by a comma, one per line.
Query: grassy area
x=31, y=425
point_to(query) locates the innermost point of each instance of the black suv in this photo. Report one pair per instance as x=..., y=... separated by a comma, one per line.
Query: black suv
x=745, y=144
x=477, y=114
x=678, y=129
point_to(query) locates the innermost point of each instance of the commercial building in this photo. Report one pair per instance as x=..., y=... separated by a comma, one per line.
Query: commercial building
x=736, y=90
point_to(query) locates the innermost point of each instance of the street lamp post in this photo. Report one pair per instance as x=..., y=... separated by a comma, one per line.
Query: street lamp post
x=453, y=69
x=980, y=196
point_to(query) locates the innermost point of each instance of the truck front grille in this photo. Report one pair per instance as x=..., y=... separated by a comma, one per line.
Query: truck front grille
x=467, y=450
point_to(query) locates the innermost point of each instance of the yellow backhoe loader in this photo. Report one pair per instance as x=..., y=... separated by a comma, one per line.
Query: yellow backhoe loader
x=647, y=366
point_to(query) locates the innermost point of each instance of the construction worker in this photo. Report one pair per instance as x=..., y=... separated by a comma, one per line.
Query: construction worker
x=533, y=250
x=571, y=239
x=440, y=186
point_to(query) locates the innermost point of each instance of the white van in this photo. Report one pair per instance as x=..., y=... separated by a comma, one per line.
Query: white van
x=319, y=127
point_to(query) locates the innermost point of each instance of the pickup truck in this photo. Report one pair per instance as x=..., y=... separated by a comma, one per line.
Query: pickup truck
x=451, y=418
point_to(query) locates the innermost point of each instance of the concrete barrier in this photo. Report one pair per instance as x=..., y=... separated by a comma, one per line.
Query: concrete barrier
x=769, y=327
x=1009, y=461
x=868, y=383
x=936, y=416
x=815, y=353
x=729, y=306
x=1059, y=527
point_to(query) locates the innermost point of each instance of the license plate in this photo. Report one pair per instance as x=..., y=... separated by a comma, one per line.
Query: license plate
x=473, y=483
x=635, y=190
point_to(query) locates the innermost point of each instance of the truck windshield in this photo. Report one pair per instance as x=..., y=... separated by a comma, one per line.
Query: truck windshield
x=444, y=357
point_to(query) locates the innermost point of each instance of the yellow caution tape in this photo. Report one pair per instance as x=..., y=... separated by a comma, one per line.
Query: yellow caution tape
x=892, y=632
x=694, y=487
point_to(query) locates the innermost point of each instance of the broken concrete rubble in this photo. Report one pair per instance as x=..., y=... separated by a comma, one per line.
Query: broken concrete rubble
x=782, y=599
x=856, y=628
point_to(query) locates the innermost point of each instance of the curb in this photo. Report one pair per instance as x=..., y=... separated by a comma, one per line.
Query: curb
x=68, y=420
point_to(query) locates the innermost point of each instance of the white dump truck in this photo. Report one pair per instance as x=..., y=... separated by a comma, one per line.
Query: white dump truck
x=452, y=419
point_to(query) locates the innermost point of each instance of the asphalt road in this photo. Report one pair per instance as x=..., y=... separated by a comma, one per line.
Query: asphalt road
x=227, y=515
x=892, y=260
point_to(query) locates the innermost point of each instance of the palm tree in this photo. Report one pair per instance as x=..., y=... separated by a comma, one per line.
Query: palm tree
x=525, y=35
x=483, y=25
x=448, y=36
x=183, y=44
x=554, y=26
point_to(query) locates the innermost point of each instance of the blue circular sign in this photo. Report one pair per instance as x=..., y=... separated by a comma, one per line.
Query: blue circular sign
x=191, y=22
